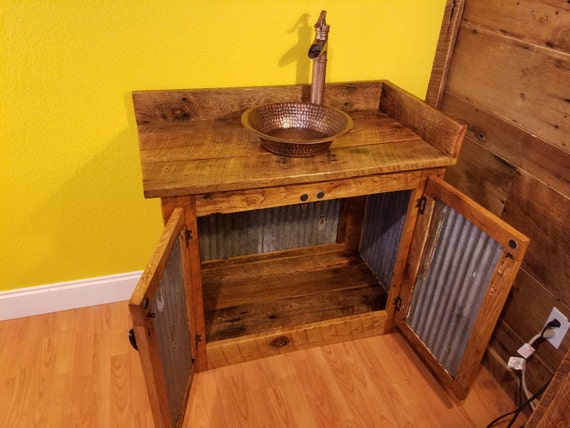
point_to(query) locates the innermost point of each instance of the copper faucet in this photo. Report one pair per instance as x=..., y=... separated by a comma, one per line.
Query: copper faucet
x=318, y=53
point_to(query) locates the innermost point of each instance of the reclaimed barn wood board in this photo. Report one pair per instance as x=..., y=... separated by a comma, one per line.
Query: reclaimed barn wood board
x=543, y=214
x=520, y=82
x=253, y=167
x=234, y=351
x=446, y=42
x=544, y=23
x=440, y=130
x=251, y=318
x=228, y=139
x=350, y=223
x=270, y=276
x=547, y=162
x=553, y=409
x=246, y=200
x=488, y=180
x=179, y=106
x=185, y=139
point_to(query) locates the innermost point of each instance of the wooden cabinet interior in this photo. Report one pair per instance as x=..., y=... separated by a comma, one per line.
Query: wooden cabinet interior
x=288, y=253
x=282, y=267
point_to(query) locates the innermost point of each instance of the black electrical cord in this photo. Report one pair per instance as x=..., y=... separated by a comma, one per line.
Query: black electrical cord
x=494, y=421
x=552, y=324
x=527, y=402
x=520, y=408
x=521, y=392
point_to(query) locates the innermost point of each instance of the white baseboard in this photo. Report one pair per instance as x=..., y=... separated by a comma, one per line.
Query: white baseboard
x=67, y=295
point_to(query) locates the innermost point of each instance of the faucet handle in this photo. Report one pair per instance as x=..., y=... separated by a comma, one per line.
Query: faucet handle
x=321, y=26
x=322, y=19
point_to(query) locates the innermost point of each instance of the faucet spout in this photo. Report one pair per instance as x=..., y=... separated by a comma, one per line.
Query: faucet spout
x=318, y=53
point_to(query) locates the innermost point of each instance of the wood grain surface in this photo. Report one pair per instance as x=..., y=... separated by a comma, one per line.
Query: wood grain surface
x=193, y=143
x=76, y=368
x=373, y=382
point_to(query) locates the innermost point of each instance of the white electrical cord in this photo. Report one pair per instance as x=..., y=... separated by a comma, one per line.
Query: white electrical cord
x=547, y=333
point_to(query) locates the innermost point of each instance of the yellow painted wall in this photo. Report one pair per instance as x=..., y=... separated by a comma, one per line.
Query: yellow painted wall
x=70, y=185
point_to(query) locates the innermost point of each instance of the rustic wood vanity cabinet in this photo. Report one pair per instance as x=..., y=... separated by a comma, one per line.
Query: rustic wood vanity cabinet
x=263, y=254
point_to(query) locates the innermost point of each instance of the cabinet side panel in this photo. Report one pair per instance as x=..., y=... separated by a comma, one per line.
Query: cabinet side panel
x=439, y=130
x=384, y=222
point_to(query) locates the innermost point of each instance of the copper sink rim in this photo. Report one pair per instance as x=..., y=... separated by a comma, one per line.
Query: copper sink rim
x=328, y=110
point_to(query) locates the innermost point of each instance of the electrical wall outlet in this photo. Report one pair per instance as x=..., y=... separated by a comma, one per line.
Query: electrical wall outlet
x=559, y=332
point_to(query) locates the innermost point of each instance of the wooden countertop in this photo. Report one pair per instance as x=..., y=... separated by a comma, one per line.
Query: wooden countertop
x=190, y=150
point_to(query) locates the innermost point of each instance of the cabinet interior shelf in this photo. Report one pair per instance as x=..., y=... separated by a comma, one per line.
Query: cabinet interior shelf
x=263, y=292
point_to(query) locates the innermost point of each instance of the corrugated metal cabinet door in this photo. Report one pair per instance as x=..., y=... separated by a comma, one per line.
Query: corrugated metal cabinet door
x=461, y=266
x=160, y=313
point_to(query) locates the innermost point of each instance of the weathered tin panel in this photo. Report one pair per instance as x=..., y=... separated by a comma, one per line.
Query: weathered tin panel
x=273, y=229
x=451, y=285
x=168, y=309
x=384, y=222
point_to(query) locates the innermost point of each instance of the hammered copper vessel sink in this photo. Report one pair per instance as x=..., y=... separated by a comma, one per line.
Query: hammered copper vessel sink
x=296, y=129
x=301, y=129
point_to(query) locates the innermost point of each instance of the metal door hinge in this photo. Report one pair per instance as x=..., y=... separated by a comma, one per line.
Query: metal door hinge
x=188, y=236
x=421, y=204
x=398, y=303
x=133, y=339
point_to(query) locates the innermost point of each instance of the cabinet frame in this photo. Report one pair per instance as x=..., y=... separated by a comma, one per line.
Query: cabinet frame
x=513, y=247
x=198, y=159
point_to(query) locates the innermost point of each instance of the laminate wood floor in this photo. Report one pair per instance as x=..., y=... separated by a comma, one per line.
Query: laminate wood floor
x=76, y=368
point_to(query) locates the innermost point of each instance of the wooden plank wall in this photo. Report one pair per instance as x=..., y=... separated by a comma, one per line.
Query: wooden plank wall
x=508, y=77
